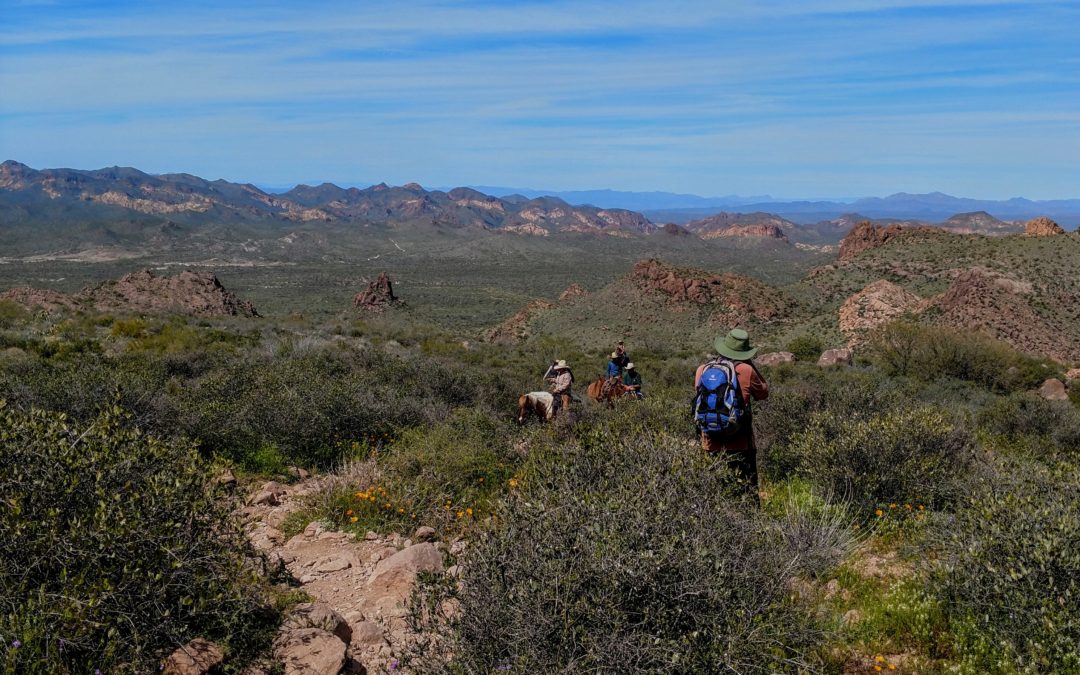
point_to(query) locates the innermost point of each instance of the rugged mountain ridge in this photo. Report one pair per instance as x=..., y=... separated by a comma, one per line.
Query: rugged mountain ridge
x=189, y=200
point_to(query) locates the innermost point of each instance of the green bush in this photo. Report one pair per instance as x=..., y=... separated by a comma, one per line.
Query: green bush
x=623, y=550
x=929, y=353
x=806, y=347
x=1009, y=573
x=129, y=328
x=115, y=548
x=910, y=456
x=1027, y=417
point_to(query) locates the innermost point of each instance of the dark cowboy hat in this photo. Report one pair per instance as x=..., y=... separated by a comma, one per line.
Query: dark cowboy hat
x=735, y=345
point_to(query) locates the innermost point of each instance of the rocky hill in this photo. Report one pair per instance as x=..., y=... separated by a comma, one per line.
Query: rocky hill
x=142, y=292
x=1020, y=289
x=726, y=224
x=653, y=304
x=980, y=222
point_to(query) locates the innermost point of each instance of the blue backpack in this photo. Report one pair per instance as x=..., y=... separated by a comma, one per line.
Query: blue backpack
x=718, y=405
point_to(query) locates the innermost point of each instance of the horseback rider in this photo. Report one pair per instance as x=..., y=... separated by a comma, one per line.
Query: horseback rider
x=620, y=356
x=560, y=381
x=614, y=371
x=632, y=381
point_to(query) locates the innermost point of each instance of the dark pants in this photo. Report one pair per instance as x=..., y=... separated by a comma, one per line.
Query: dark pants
x=741, y=459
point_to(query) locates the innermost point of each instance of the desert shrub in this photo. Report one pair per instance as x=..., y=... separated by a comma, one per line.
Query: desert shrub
x=623, y=550
x=1009, y=572
x=12, y=313
x=806, y=347
x=1028, y=417
x=897, y=456
x=929, y=352
x=129, y=328
x=115, y=548
x=832, y=398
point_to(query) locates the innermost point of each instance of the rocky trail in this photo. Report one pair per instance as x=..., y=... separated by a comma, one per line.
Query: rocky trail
x=358, y=588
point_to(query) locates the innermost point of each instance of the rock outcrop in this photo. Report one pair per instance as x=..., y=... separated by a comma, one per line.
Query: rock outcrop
x=1001, y=307
x=879, y=302
x=866, y=236
x=743, y=298
x=377, y=297
x=836, y=357
x=762, y=231
x=762, y=225
x=1042, y=227
x=572, y=291
x=143, y=292
x=39, y=299
x=192, y=293
x=775, y=359
x=979, y=222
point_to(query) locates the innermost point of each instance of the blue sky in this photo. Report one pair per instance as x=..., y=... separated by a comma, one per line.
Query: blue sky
x=792, y=98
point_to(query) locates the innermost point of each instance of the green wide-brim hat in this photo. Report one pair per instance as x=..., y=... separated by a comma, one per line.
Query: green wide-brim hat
x=735, y=345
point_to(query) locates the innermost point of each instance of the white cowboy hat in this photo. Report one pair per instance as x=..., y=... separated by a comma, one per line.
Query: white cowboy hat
x=614, y=354
x=629, y=366
x=561, y=365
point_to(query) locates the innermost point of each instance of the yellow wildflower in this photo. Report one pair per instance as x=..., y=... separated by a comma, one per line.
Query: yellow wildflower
x=353, y=519
x=879, y=513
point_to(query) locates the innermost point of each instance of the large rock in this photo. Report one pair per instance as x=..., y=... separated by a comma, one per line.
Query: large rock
x=865, y=236
x=309, y=651
x=318, y=615
x=378, y=296
x=775, y=358
x=878, y=303
x=1053, y=390
x=1042, y=227
x=393, y=580
x=197, y=657
x=836, y=357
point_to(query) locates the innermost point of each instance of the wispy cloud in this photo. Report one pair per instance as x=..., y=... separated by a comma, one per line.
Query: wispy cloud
x=830, y=97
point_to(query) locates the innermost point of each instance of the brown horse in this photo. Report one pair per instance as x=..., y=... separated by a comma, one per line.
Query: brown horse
x=539, y=403
x=615, y=390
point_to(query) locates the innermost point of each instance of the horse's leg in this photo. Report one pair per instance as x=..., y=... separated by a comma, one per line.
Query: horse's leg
x=523, y=403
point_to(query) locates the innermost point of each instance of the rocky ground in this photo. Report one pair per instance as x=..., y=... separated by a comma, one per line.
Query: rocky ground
x=358, y=589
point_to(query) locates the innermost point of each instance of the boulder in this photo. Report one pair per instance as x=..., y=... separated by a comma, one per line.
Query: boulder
x=197, y=657
x=424, y=533
x=775, y=358
x=1053, y=390
x=309, y=651
x=1072, y=374
x=393, y=579
x=836, y=357
x=1042, y=227
x=269, y=494
x=367, y=634
x=318, y=615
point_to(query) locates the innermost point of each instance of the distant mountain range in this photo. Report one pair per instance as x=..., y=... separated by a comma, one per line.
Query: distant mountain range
x=931, y=207
x=54, y=209
x=121, y=205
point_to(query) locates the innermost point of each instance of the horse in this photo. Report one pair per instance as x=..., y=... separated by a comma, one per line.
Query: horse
x=539, y=403
x=601, y=392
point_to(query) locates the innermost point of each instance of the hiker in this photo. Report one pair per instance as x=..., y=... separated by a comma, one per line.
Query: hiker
x=560, y=381
x=726, y=385
x=632, y=381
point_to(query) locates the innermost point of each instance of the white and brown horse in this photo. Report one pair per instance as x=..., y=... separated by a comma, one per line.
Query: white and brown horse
x=539, y=403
